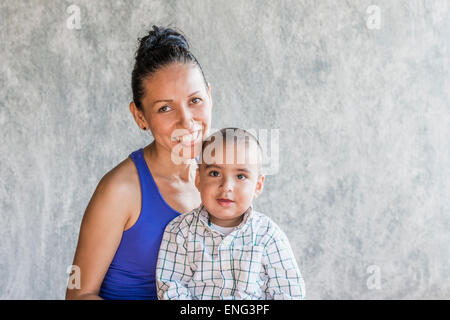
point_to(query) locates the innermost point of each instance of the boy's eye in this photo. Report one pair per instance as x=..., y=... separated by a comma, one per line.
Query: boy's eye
x=196, y=100
x=214, y=173
x=241, y=176
x=164, y=109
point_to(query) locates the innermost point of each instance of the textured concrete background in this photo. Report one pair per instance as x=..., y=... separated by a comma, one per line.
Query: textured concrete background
x=364, y=119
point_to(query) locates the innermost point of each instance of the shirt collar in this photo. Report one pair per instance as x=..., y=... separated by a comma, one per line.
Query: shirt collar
x=204, y=216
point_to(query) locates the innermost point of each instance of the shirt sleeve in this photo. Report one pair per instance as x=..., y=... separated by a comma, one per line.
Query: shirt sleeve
x=284, y=280
x=173, y=271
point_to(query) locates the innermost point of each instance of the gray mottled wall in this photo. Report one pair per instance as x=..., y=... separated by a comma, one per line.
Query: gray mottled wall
x=364, y=118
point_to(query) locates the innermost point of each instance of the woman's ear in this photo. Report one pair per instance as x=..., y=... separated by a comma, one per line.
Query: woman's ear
x=138, y=116
x=259, y=186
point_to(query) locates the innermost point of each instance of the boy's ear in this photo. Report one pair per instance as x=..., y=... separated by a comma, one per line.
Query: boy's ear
x=197, y=179
x=259, y=186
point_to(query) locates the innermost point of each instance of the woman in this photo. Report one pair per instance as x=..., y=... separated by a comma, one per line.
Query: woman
x=123, y=224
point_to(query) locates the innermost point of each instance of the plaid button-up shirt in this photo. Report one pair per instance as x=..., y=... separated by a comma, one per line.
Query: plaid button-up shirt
x=254, y=261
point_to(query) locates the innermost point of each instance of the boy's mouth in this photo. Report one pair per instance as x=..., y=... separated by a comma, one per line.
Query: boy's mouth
x=225, y=202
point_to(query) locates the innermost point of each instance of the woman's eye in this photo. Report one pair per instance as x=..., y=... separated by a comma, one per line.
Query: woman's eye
x=196, y=100
x=164, y=109
x=214, y=173
x=241, y=177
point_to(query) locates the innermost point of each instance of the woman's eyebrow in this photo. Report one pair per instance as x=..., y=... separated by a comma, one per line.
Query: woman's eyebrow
x=162, y=100
x=170, y=100
x=194, y=93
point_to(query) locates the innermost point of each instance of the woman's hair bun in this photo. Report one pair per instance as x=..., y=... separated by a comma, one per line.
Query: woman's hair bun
x=160, y=37
x=160, y=47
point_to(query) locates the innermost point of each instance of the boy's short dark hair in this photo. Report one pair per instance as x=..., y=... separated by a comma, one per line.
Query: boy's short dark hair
x=234, y=135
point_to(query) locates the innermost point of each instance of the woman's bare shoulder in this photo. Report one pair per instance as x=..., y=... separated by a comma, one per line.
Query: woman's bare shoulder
x=124, y=175
x=120, y=188
x=110, y=211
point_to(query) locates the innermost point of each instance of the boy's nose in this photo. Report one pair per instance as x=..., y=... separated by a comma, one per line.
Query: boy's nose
x=227, y=185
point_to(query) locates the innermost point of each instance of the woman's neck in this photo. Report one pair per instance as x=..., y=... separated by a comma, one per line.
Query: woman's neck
x=163, y=166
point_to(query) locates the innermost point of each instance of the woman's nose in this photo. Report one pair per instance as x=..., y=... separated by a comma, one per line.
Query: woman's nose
x=186, y=118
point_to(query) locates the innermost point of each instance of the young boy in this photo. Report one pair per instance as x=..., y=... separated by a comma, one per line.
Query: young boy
x=224, y=249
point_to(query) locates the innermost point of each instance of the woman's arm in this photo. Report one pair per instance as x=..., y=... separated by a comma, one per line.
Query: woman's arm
x=101, y=231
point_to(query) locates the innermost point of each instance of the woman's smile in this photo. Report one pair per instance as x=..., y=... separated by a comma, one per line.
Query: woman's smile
x=189, y=139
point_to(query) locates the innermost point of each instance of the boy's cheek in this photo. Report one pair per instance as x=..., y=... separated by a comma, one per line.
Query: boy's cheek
x=208, y=191
x=208, y=184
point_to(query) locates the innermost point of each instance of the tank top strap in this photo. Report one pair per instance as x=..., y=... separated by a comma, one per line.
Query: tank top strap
x=148, y=185
x=131, y=274
x=149, y=190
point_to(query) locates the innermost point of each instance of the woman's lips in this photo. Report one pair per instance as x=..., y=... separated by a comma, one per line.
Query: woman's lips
x=189, y=139
x=225, y=202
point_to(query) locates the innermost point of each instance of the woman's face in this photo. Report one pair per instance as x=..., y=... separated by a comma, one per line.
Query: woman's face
x=176, y=108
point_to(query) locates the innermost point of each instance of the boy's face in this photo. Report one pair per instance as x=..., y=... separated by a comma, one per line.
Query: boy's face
x=227, y=189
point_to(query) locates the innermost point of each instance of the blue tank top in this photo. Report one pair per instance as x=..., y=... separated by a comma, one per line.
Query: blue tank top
x=131, y=274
